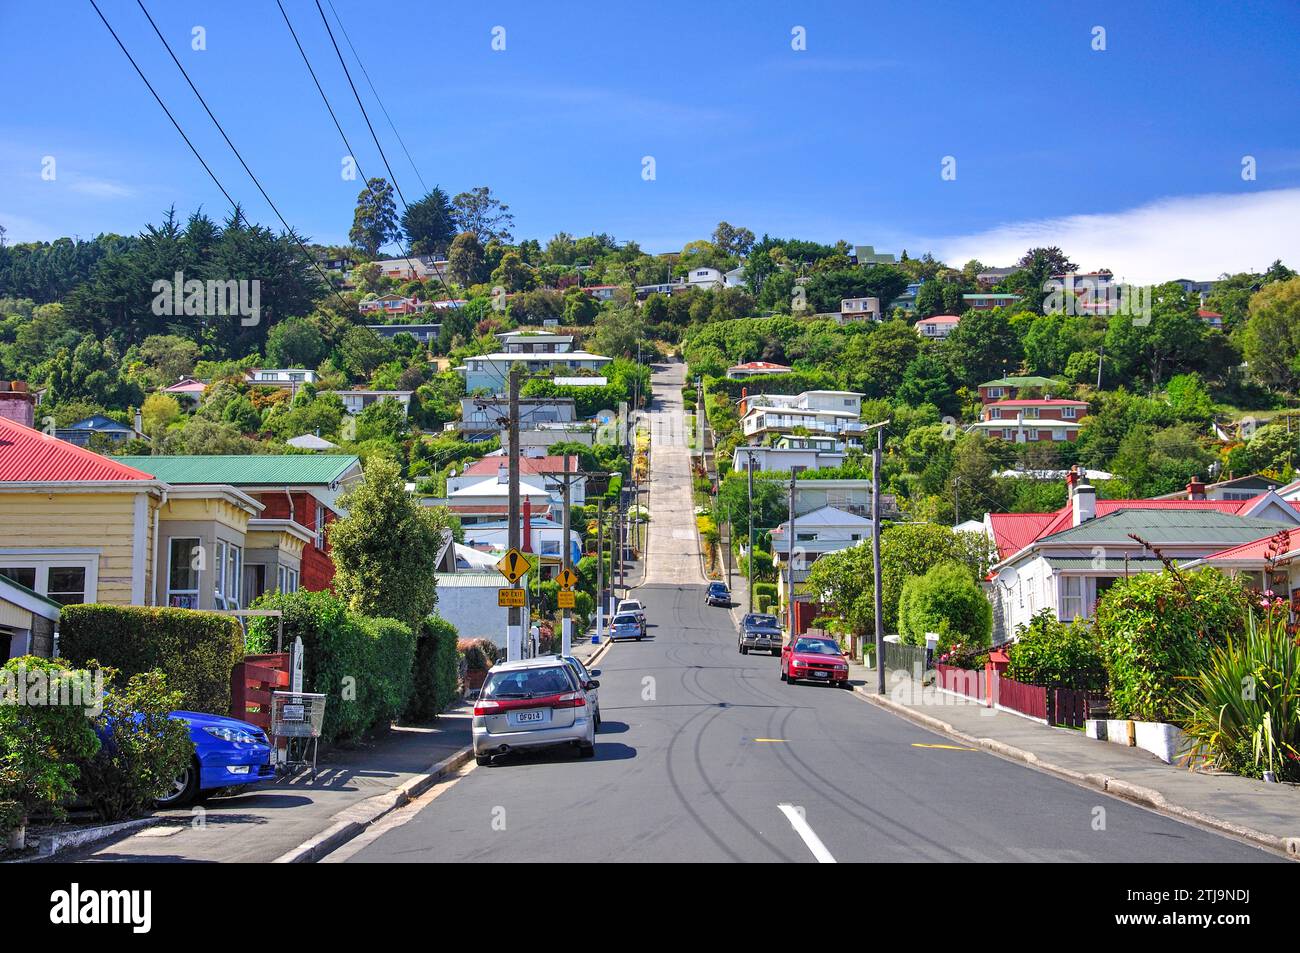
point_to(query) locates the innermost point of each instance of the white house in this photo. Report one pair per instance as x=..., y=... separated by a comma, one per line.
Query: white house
x=286, y=378
x=546, y=471
x=777, y=459
x=535, y=342
x=755, y=369
x=487, y=500
x=816, y=533
x=492, y=371
x=821, y=412
x=355, y=401
x=937, y=327
x=545, y=537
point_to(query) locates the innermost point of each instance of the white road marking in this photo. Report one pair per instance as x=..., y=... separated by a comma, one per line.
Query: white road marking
x=810, y=838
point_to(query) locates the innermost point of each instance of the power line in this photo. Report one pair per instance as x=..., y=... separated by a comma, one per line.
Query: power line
x=288, y=228
x=366, y=74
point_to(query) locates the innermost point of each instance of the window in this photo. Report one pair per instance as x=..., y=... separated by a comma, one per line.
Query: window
x=227, y=566
x=805, y=537
x=67, y=578
x=182, y=574
x=1033, y=435
x=23, y=575
x=287, y=579
x=1067, y=413
x=1058, y=434
x=995, y=392
x=1071, y=597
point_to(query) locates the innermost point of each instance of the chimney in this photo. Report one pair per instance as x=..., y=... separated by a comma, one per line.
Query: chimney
x=17, y=403
x=1196, y=489
x=139, y=422
x=1084, y=501
x=526, y=534
x=503, y=473
x=1071, y=481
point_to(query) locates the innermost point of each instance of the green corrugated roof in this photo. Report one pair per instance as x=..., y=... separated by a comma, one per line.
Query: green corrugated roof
x=6, y=581
x=1169, y=526
x=1024, y=382
x=247, y=469
x=1086, y=564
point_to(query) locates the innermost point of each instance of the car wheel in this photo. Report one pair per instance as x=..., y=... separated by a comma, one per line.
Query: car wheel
x=184, y=789
x=587, y=751
x=482, y=760
x=783, y=675
x=744, y=651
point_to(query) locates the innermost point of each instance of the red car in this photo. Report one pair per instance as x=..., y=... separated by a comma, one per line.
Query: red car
x=814, y=659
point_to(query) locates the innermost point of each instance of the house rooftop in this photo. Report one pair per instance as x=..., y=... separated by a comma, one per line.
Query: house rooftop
x=259, y=469
x=1029, y=381
x=1171, y=526
x=30, y=456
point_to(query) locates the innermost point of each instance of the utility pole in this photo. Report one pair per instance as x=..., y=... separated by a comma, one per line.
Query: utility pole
x=1101, y=353
x=600, y=566
x=566, y=561
x=875, y=555
x=749, y=551
x=789, y=560
x=956, y=500
x=728, y=549
x=514, y=618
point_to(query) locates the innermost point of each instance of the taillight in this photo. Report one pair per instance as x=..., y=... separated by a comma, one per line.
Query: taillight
x=486, y=707
x=570, y=700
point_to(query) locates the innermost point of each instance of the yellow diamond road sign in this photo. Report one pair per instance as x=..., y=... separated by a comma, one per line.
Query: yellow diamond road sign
x=567, y=579
x=513, y=565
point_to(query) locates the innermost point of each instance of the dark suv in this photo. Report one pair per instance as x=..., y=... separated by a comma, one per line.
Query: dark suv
x=759, y=631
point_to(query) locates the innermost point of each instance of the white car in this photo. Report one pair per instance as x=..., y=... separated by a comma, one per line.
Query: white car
x=632, y=607
x=533, y=703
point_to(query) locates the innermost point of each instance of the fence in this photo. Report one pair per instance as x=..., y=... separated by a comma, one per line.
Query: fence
x=909, y=658
x=251, y=684
x=1056, y=706
x=971, y=682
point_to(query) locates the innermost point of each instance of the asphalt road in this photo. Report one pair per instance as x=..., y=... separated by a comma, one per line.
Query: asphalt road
x=701, y=746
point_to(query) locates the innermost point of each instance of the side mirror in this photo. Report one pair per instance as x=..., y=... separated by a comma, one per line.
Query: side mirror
x=592, y=684
x=595, y=672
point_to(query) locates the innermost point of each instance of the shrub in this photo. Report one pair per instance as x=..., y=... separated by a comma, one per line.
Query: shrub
x=946, y=600
x=361, y=665
x=1049, y=652
x=1158, y=628
x=765, y=589
x=762, y=603
x=479, y=654
x=1242, y=709
x=764, y=569
x=195, y=650
x=41, y=743
x=437, y=670
x=141, y=748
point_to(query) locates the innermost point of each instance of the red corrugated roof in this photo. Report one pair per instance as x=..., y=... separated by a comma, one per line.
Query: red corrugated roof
x=28, y=455
x=1037, y=402
x=488, y=466
x=1012, y=532
x=1260, y=548
x=941, y=319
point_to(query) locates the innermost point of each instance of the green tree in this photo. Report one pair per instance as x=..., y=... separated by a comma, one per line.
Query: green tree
x=466, y=260
x=512, y=274
x=732, y=241
x=363, y=351
x=385, y=550
x=429, y=223
x=1272, y=335
x=948, y=601
x=158, y=411
x=374, y=223
x=982, y=347
x=294, y=342
x=482, y=213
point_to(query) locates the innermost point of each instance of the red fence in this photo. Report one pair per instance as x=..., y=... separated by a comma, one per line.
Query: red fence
x=1056, y=706
x=971, y=682
x=251, y=684
x=1029, y=700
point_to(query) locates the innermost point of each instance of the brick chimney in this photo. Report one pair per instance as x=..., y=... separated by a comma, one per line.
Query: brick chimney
x=1196, y=489
x=1071, y=481
x=17, y=403
x=1083, y=501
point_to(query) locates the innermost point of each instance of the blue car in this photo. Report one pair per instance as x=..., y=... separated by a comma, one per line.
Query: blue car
x=718, y=595
x=227, y=753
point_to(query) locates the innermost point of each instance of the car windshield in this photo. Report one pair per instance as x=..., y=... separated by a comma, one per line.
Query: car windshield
x=762, y=621
x=629, y=606
x=625, y=620
x=817, y=647
x=527, y=683
x=717, y=587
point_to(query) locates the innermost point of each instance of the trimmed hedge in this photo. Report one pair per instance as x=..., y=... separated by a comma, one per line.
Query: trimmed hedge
x=363, y=666
x=195, y=650
x=437, y=670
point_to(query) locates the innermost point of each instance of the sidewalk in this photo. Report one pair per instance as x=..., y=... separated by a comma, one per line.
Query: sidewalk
x=1264, y=814
x=351, y=786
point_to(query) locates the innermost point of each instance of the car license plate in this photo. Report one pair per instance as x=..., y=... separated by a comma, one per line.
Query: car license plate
x=527, y=716
x=821, y=674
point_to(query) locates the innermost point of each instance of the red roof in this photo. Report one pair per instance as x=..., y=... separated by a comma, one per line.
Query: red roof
x=1202, y=313
x=759, y=366
x=489, y=466
x=941, y=319
x=1012, y=532
x=1038, y=402
x=30, y=456
x=1259, y=549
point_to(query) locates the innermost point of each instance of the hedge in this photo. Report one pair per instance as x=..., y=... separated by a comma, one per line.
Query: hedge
x=195, y=650
x=363, y=666
x=765, y=589
x=437, y=670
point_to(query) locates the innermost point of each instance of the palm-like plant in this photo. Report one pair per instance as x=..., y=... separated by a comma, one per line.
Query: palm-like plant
x=1242, y=710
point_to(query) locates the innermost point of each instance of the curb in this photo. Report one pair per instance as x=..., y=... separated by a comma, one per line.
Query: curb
x=57, y=843
x=1136, y=793
x=351, y=821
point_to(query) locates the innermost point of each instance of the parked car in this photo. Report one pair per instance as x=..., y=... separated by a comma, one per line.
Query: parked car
x=626, y=626
x=633, y=607
x=533, y=703
x=587, y=678
x=816, y=660
x=227, y=753
x=718, y=595
x=759, y=631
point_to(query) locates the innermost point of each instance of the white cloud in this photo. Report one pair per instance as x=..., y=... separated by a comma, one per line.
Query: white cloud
x=1198, y=237
x=99, y=188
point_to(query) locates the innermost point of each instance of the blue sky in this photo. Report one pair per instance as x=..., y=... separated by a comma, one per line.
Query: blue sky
x=1132, y=153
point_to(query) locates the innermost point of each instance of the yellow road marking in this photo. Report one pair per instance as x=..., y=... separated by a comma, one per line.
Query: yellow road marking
x=775, y=741
x=945, y=747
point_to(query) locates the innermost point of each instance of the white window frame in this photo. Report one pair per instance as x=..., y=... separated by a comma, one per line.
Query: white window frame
x=43, y=560
x=1069, y=597
x=197, y=591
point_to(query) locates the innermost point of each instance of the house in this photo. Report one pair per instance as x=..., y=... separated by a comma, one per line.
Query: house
x=1268, y=564
x=27, y=621
x=485, y=417
x=416, y=268
x=907, y=300
x=704, y=279
x=355, y=401
x=937, y=327
x=1241, y=488
x=1010, y=387
x=96, y=426
x=1064, y=560
x=859, y=309
x=1031, y=420
x=601, y=292
x=286, y=378
x=540, y=535
x=548, y=471
x=286, y=545
x=488, y=500
x=535, y=441
x=755, y=369
x=309, y=441
x=782, y=457
x=580, y=381
x=1212, y=318
x=81, y=527
x=816, y=533
x=187, y=389
x=988, y=300
x=735, y=278
x=991, y=276
x=535, y=342
x=392, y=304
x=468, y=600
x=817, y=412
x=426, y=334
x=491, y=372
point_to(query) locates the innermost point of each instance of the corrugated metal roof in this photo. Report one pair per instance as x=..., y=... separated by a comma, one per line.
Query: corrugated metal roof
x=28, y=455
x=1086, y=564
x=1169, y=526
x=248, y=469
x=471, y=580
